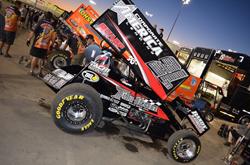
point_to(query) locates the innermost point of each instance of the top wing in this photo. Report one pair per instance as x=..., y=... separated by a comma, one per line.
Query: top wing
x=126, y=29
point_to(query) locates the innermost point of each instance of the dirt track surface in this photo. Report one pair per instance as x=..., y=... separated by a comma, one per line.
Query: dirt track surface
x=29, y=137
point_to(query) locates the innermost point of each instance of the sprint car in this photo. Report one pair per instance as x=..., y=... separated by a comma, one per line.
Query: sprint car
x=132, y=84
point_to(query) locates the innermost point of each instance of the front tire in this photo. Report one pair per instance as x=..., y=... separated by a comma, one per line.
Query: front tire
x=183, y=146
x=77, y=109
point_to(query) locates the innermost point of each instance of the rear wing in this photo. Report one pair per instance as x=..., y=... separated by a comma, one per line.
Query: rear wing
x=128, y=32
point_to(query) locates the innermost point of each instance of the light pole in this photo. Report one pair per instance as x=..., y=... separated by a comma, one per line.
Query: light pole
x=184, y=2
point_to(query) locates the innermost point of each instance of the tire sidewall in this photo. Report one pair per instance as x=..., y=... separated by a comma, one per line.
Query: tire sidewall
x=179, y=139
x=58, y=54
x=59, y=111
x=243, y=118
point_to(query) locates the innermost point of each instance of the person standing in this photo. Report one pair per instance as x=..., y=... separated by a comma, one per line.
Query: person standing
x=161, y=32
x=12, y=18
x=44, y=34
x=30, y=19
x=23, y=12
x=92, y=50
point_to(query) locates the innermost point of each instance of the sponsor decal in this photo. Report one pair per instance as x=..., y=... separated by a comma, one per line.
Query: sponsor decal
x=99, y=69
x=193, y=82
x=86, y=16
x=137, y=101
x=58, y=78
x=185, y=87
x=90, y=76
x=106, y=32
x=118, y=109
x=138, y=25
x=168, y=70
x=198, y=122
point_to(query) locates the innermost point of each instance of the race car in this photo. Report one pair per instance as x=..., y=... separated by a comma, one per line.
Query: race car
x=130, y=84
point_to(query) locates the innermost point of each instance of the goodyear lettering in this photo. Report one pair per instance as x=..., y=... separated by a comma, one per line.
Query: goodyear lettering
x=87, y=126
x=174, y=149
x=61, y=104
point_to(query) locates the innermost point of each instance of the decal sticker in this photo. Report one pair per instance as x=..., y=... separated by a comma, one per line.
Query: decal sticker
x=118, y=109
x=104, y=29
x=137, y=101
x=168, y=70
x=198, y=122
x=99, y=69
x=90, y=76
x=58, y=78
x=138, y=25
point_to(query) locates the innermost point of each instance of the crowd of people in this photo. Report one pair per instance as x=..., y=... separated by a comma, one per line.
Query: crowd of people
x=46, y=34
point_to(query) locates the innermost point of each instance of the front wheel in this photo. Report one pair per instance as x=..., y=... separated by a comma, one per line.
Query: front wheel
x=77, y=108
x=184, y=146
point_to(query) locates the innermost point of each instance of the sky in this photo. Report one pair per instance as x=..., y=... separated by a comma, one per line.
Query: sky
x=218, y=24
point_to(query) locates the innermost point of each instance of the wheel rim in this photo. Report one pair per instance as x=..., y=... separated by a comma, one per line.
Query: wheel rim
x=245, y=120
x=77, y=113
x=209, y=117
x=59, y=62
x=186, y=149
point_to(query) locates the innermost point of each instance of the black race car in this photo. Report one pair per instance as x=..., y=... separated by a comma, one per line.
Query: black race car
x=132, y=84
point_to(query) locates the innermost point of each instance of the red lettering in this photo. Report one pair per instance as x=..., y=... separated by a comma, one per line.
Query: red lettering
x=110, y=35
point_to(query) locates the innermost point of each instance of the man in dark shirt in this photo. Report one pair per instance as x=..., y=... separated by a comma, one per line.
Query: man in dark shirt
x=73, y=43
x=92, y=50
x=12, y=19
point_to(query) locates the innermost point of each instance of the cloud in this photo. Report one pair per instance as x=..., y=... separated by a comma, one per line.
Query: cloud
x=92, y=2
x=149, y=14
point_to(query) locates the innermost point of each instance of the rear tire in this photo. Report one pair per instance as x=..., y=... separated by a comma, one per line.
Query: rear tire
x=209, y=117
x=58, y=59
x=77, y=108
x=183, y=146
x=244, y=120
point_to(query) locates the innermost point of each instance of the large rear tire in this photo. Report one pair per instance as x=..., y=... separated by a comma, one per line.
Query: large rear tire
x=244, y=120
x=58, y=59
x=209, y=117
x=183, y=146
x=77, y=108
